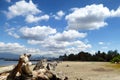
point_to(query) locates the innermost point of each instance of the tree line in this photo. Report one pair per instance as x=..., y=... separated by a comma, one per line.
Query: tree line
x=86, y=56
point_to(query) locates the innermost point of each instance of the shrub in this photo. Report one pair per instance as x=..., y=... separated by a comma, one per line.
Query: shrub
x=116, y=59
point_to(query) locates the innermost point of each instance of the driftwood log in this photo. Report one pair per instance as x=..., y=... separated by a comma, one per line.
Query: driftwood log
x=41, y=71
x=43, y=68
x=23, y=59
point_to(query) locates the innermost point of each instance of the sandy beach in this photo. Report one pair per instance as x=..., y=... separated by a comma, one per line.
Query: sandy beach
x=89, y=70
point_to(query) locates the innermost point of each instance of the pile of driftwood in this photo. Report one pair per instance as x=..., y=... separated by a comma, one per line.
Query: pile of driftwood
x=22, y=71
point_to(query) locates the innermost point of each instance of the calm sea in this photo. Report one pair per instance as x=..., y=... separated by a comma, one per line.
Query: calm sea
x=6, y=63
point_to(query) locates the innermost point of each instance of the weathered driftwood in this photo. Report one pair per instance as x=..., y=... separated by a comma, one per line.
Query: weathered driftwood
x=52, y=65
x=44, y=72
x=23, y=59
x=38, y=66
x=6, y=69
x=41, y=71
x=26, y=73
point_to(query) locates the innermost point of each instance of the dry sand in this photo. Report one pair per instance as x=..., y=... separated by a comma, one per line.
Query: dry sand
x=89, y=70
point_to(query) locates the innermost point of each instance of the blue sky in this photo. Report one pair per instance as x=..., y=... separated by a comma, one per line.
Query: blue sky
x=53, y=28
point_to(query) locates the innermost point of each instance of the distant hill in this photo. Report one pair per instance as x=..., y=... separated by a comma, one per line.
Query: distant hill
x=11, y=56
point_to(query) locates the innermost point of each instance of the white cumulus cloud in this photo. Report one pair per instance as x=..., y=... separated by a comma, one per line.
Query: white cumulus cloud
x=22, y=8
x=37, y=32
x=11, y=48
x=29, y=10
x=32, y=18
x=16, y=48
x=68, y=35
x=90, y=17
x=12, y=32
x=62, y=42
x=59, y=15
x=115, y=13
x=52, y=42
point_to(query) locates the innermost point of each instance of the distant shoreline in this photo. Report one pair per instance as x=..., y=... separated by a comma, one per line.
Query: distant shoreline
x=11, y=62
x=16, y=60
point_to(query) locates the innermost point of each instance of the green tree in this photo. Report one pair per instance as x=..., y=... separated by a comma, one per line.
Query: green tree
x=111, y=54
x=116, y=59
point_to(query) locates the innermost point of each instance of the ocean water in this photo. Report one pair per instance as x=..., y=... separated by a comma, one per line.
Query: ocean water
x=7, y=63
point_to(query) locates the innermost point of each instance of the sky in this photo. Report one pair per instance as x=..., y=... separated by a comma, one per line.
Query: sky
x=56, y=27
